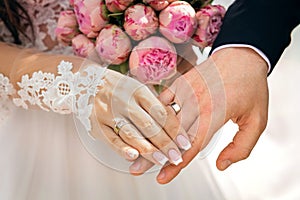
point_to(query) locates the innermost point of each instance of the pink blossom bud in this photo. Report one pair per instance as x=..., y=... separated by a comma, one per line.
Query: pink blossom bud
x=66, y=27
x=140, y=21
x=113, y=45
x=157, y=4
x=82, y=46
x=178, y=22
x=117, y=5
x=209, y=24
x=91, y=16
x=153, y=60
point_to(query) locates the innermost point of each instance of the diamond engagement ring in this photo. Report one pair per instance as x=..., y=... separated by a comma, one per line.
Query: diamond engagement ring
x=175, y=107
x=119, y=123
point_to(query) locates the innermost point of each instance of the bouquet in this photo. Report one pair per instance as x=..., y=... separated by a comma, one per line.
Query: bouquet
x=139, y=36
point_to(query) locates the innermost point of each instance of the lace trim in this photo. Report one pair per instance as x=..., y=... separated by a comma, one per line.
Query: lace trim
x=66, y=93
x=6, y=90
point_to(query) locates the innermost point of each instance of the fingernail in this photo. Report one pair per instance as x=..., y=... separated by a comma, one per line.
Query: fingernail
x=132, y=153
x=225, y=164
x=175, y=157
x=183, y=142
x=161, y=175
x=159, y=157
x=135, y=167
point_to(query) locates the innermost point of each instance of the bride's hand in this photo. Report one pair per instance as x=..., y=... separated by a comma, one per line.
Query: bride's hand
x=131, y=117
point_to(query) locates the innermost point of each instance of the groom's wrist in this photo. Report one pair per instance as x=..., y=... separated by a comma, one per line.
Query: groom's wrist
x=258, y=51
x=240, y=60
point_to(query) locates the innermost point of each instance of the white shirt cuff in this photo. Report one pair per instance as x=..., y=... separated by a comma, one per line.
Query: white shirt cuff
x=247, y=46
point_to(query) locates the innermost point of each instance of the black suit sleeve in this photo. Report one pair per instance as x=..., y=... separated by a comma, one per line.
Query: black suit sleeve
x=264, y=24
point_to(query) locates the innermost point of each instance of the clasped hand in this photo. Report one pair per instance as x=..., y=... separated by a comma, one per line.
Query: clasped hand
x=230, y=85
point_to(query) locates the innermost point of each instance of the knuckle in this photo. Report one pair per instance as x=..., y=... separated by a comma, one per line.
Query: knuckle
x=146, y=148
x=244, y=153
x=160, y=112
x=127, y=132
x=147, y=124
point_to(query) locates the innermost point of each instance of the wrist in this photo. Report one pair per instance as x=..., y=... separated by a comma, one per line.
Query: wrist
x=240, y=60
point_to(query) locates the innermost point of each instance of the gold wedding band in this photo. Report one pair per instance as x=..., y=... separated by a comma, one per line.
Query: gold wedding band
x=119, y=123
x=175, y=107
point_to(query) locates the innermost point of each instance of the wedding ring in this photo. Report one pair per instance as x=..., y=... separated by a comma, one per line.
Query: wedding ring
x=175, y=107
x=119, y=123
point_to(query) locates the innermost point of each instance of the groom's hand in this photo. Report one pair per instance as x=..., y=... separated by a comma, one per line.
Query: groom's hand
x=231, y=85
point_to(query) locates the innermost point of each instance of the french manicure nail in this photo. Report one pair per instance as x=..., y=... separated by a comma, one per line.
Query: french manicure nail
x=132, y=153
x=135, y=167
x=159, y=157
x=183, y=142
x=175, y=157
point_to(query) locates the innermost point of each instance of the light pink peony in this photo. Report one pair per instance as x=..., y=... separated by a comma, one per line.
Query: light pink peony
x=209, y=24
x=91, y=16
x=157, y=4
x=140, y=21
x=67, y=27
x=153, y=60
x=82, y=46
x=113, y=45
x=178, y=22
x=117, y=5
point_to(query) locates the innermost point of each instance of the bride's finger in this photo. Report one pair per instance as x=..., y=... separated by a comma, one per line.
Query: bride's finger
x=118, y=144
x=155, y=133
x=165, y=117
x=131, y=136
x=140, y=166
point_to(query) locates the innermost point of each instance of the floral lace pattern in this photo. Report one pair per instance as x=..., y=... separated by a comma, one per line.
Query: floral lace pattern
x=6, y=90
x=66, y=93
x=44, y=15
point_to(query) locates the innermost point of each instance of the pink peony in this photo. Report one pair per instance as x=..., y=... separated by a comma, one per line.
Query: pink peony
x=153, y=60
x=91, y=16
x=113, y=45
x=67, y=27
x=117, y=5
x=157, y=4
x=140, y=21
x=209, y=24
x=71, y=2
x=178, y=22
x=82, y=46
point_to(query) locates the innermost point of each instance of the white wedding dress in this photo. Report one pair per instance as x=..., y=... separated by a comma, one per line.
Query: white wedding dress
x=42, y=156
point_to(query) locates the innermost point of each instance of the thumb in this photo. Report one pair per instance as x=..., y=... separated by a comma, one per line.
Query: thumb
x=242, y=144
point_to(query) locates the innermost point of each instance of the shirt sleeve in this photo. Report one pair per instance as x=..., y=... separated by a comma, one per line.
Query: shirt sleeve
x=263, y=24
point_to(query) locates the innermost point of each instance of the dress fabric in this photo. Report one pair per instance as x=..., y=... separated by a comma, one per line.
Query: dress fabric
x=42, y=157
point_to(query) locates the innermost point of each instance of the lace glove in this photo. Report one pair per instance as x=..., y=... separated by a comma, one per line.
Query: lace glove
x=65, y=93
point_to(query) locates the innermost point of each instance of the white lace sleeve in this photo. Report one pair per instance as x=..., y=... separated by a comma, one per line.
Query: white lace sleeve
x=6, y=91
x=65, y=93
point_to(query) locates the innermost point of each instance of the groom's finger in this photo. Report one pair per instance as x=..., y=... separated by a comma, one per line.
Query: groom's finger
x=199, y=134
x=243, y=142
x=152, y=131
x=169, y=172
